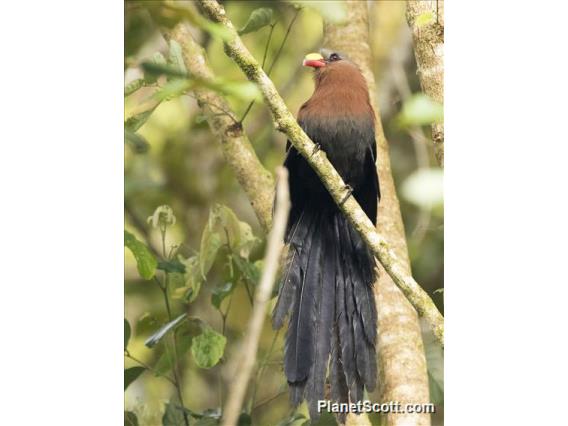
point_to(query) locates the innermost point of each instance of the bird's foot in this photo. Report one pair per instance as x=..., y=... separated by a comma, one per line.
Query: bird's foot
x=349, y=191
x=317, y=148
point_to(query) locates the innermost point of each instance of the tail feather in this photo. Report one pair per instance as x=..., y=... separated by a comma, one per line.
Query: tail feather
x=301, y=331
x=346, y=340
x=327, y=285
x=364, y=319
x=364, y=267
x=339, y=389
x=292, y=277
x=323, y=319
x=297, y=390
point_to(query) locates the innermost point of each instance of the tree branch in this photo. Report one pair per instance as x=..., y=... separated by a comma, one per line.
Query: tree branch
x=256, y=181
x=286, y=123
x=239, y=385
x=426, y=21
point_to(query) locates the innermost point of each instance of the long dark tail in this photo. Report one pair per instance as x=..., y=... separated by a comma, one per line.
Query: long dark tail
x=327, y=284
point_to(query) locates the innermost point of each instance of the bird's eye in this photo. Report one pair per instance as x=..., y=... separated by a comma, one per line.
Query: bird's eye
x=334, y=57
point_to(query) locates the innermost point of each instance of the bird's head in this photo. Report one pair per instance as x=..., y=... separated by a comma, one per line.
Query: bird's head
x=331, y=63
x=324, y=58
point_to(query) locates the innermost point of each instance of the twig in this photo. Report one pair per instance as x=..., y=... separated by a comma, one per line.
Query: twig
x=239, y=385
x=263, y=62
x=283, y=41
x=165, y=291
x=269, y=399
x=261, y=368
x=140, y=225
x=211, y=104
x=276, y=56
x=147, y=367
x=286, y=123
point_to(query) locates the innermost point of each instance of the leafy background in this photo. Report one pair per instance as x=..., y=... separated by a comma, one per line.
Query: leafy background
x=202, y=247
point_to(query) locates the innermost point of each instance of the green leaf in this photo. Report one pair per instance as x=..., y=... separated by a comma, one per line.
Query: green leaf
x=244, y=420
x=127, y=332
x=145, y=261
x=193, y=280
x=424, y=188
x=326, y=419
x=258, y=19
x=211, y=242
x=174, y=88
x=131, y=374
x=138, y=120
x=250, y=271
x=166, y=361
x=158, y=59
x=176, y=57
x=130, y=419
x=220, y=293
x=147, y=323
x=419, y=110
x=207, y=348
x=176, y=280
x=185, y=333
x=173, y=416
x=334, y=11
x=166, y=10
x=155, y=338
x=174, y=265
x=133, y=86
x=239, y=234
x=169, y=70
x=243, y=90
x=138, y=143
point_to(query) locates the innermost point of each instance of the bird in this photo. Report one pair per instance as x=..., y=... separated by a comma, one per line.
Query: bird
x=326, y=289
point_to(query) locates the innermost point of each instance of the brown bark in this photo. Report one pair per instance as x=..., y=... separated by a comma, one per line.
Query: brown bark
x=402, y=363
x=426, y=20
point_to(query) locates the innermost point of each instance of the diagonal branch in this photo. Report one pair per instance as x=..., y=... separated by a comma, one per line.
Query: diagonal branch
x=286, y=123
x=256, y=181
x=426, y=21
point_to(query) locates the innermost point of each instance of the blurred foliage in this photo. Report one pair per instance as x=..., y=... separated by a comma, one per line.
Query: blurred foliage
x=206, y=262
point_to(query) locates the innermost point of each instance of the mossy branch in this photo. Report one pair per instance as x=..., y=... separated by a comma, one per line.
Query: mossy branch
x=285, y=122
x=257, y=182
x=426, y=21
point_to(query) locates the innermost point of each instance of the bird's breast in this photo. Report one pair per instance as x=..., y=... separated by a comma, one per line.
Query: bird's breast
x=346, y=141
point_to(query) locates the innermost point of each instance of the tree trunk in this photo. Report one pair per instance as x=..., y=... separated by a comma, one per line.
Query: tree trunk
x=402, y=363
x=426, y=20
